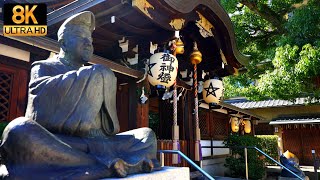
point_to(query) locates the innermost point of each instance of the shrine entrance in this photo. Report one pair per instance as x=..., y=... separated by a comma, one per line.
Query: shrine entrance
x=13, y=89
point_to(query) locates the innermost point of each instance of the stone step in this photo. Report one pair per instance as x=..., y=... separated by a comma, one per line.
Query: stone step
x=225, y=178
x=167, y=173
x=273, y=172
x=196, y=175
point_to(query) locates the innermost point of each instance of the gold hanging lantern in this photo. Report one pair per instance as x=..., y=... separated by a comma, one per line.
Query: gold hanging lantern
x=247, y=126
x=162, y=69
x=179, y=47
x=195, y=56
x=235, y=122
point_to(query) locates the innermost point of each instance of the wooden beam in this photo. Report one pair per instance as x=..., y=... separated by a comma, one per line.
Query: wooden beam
x=242, y=111
x=69, y=10
x=117, y=67
x=4, y=60
x=183, y=84
x=186, y=6
x=53, y=46
x=23, y=46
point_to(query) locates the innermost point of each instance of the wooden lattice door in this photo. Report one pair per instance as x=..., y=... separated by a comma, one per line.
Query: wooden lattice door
x=204, y=124
x=13, y=90
x=213, y=125
x=6, y=81
x=219, y=125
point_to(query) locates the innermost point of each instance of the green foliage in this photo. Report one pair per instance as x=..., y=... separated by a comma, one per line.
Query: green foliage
x=2, y=126
x=256, y=162
x=283, y=40
x=303, y=27
x=269, y=145
x=293, y=69
x=236, y=162
x=154, y=121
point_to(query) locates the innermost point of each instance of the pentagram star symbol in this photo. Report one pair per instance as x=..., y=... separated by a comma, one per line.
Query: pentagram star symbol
x=149, y=68
x=211, y=90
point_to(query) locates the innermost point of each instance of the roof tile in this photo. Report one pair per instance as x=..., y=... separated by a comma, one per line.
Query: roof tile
x=297, y=120
x=245, y=104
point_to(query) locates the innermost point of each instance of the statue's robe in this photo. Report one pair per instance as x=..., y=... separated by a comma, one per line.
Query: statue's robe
x=73, y=102
x=71, y=125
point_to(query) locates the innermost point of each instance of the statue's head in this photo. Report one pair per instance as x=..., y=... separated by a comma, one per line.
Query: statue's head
x=75, y=37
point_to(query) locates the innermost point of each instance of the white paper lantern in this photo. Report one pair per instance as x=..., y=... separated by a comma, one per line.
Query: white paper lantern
x=212, y=91
x=162, y=69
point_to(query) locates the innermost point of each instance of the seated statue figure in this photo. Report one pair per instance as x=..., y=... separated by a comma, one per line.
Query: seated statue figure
x=71, y=129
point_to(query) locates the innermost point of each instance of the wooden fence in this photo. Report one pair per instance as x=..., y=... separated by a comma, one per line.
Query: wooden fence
x=167, y=145
x=301, y=140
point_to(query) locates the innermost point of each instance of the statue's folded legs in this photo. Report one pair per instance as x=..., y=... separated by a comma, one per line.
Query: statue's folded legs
x=26, y=153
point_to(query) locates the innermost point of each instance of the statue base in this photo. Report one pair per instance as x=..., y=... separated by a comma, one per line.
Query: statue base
x=290, y=178
x=176, y=173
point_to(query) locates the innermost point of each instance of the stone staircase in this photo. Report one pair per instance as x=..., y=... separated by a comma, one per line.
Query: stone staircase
x=196, y=175
x=274, y=171
x=167, y=173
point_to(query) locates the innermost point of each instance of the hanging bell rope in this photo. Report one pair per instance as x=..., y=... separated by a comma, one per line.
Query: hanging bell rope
x=178, y=48
x=196, y=58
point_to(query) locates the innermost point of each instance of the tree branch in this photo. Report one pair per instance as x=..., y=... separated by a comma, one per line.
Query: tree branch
x=250, y=28
x=258, y=33
x=267, y=14
x=266, y=35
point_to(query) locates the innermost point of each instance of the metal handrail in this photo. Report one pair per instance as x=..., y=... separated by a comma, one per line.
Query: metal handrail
x=316, y=160
x=278, y=163
x=259, y=150
x=187, y=159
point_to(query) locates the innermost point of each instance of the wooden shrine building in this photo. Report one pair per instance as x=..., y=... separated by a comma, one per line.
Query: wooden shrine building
x=127, y=33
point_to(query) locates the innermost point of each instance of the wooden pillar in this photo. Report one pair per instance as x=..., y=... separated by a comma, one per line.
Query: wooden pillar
x=123, y=106
x=182, y=117
x=280, y=141
x=190, y=135
x=253, y=129
x=165, y=117
x=132, y=120
x=143, y=109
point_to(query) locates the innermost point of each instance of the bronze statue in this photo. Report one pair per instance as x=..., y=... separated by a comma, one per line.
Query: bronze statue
x=71, y=124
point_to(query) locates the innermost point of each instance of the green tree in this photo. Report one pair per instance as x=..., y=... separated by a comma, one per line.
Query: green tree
x=283, y=39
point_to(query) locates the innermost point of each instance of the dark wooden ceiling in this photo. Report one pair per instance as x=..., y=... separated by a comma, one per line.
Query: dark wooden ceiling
x=140, y=29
